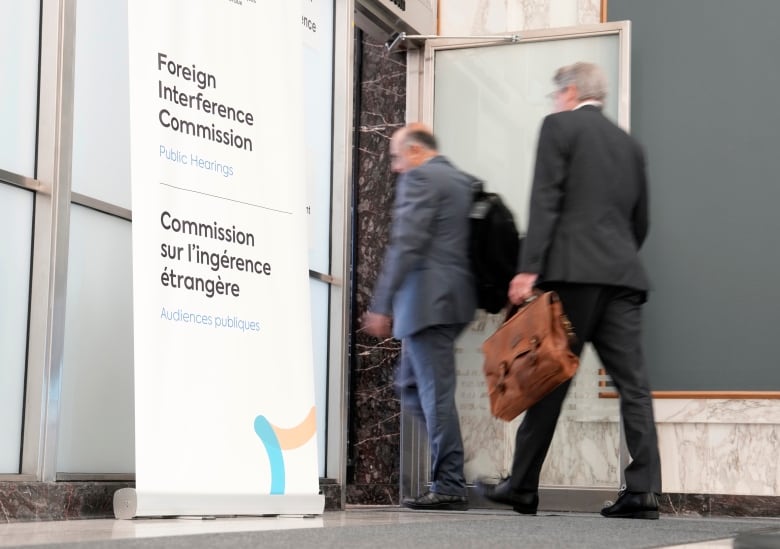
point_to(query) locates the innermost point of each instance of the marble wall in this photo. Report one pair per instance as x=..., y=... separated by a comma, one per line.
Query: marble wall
x=475, y=17
x=720, y=446
x=33, y=501
x=374, y=419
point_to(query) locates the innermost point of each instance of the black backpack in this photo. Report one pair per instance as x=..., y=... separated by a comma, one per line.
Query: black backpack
x=494, y=248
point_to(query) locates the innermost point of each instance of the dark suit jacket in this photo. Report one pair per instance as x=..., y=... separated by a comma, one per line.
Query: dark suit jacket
x=588, y=214
x=426, y=277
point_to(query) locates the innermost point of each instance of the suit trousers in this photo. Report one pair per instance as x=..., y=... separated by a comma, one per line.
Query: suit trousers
x=610, y=318
x=425, y=381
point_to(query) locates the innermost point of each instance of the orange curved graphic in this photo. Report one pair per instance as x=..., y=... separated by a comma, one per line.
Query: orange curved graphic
x=298, y=435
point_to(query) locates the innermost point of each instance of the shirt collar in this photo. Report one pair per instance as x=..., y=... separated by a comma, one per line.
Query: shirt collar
x=591, y=102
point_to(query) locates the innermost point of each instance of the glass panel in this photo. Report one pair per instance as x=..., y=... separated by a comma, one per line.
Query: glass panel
x=16, y=213
x=319, y=335
x=488, y=106
x=96, y=424
x=19, y=89
x=318, y=100
x=318, y=84
x=101, y=118
x=317, y=35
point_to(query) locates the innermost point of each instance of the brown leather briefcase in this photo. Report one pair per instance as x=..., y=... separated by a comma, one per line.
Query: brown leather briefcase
x=528, y=356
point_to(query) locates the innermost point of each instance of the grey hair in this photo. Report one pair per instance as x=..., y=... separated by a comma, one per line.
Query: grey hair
x=420, y=137
x=590, y=80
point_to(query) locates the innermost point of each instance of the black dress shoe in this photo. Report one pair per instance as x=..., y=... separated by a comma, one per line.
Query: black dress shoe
x=641, y=505
x=437, y=502
x=525, y=503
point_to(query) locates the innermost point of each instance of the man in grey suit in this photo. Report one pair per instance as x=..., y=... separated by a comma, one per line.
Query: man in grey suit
x=588, y=219
x=426, y=288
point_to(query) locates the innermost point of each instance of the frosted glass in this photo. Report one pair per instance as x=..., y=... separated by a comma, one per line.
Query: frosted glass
x=19, y=89
x=96, y=424
x=101, y=116
x=489, y=103
x=16, y=210
x=318, y=135
x=319, y=335
x=318, y=132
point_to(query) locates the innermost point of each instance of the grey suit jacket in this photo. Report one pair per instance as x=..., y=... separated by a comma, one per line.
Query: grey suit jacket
x=588, y=215
x=426, y=278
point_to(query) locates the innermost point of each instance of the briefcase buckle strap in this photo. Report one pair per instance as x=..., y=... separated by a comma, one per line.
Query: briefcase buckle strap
x=503, y=369
x=567, y=325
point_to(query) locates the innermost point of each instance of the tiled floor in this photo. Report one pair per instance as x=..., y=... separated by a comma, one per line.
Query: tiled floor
x=34, y=533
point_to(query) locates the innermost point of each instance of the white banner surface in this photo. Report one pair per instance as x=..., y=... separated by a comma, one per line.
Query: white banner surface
x=224, y=397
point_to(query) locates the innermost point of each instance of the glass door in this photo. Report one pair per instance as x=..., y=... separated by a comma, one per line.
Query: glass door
x=486, y=102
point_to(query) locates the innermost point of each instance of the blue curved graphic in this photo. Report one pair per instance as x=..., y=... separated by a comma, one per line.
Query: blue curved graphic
x=266, y=432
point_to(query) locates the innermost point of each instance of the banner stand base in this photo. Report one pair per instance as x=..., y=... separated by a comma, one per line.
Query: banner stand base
x=125, y=503
x=129, y=503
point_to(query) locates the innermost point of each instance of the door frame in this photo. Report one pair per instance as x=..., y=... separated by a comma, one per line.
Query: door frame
x=421, y=63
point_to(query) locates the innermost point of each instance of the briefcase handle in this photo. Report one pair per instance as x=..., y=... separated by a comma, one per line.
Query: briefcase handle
x=566, y=323
x=512, y=309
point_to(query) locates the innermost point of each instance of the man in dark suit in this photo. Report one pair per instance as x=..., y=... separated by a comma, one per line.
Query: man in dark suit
x=426, y=287
x=588, y=219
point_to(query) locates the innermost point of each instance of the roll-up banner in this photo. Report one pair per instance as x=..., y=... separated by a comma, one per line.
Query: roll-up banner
x=225, y=422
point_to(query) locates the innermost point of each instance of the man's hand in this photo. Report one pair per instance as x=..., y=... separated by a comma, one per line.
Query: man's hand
x=377, y=325
x=522, y=287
